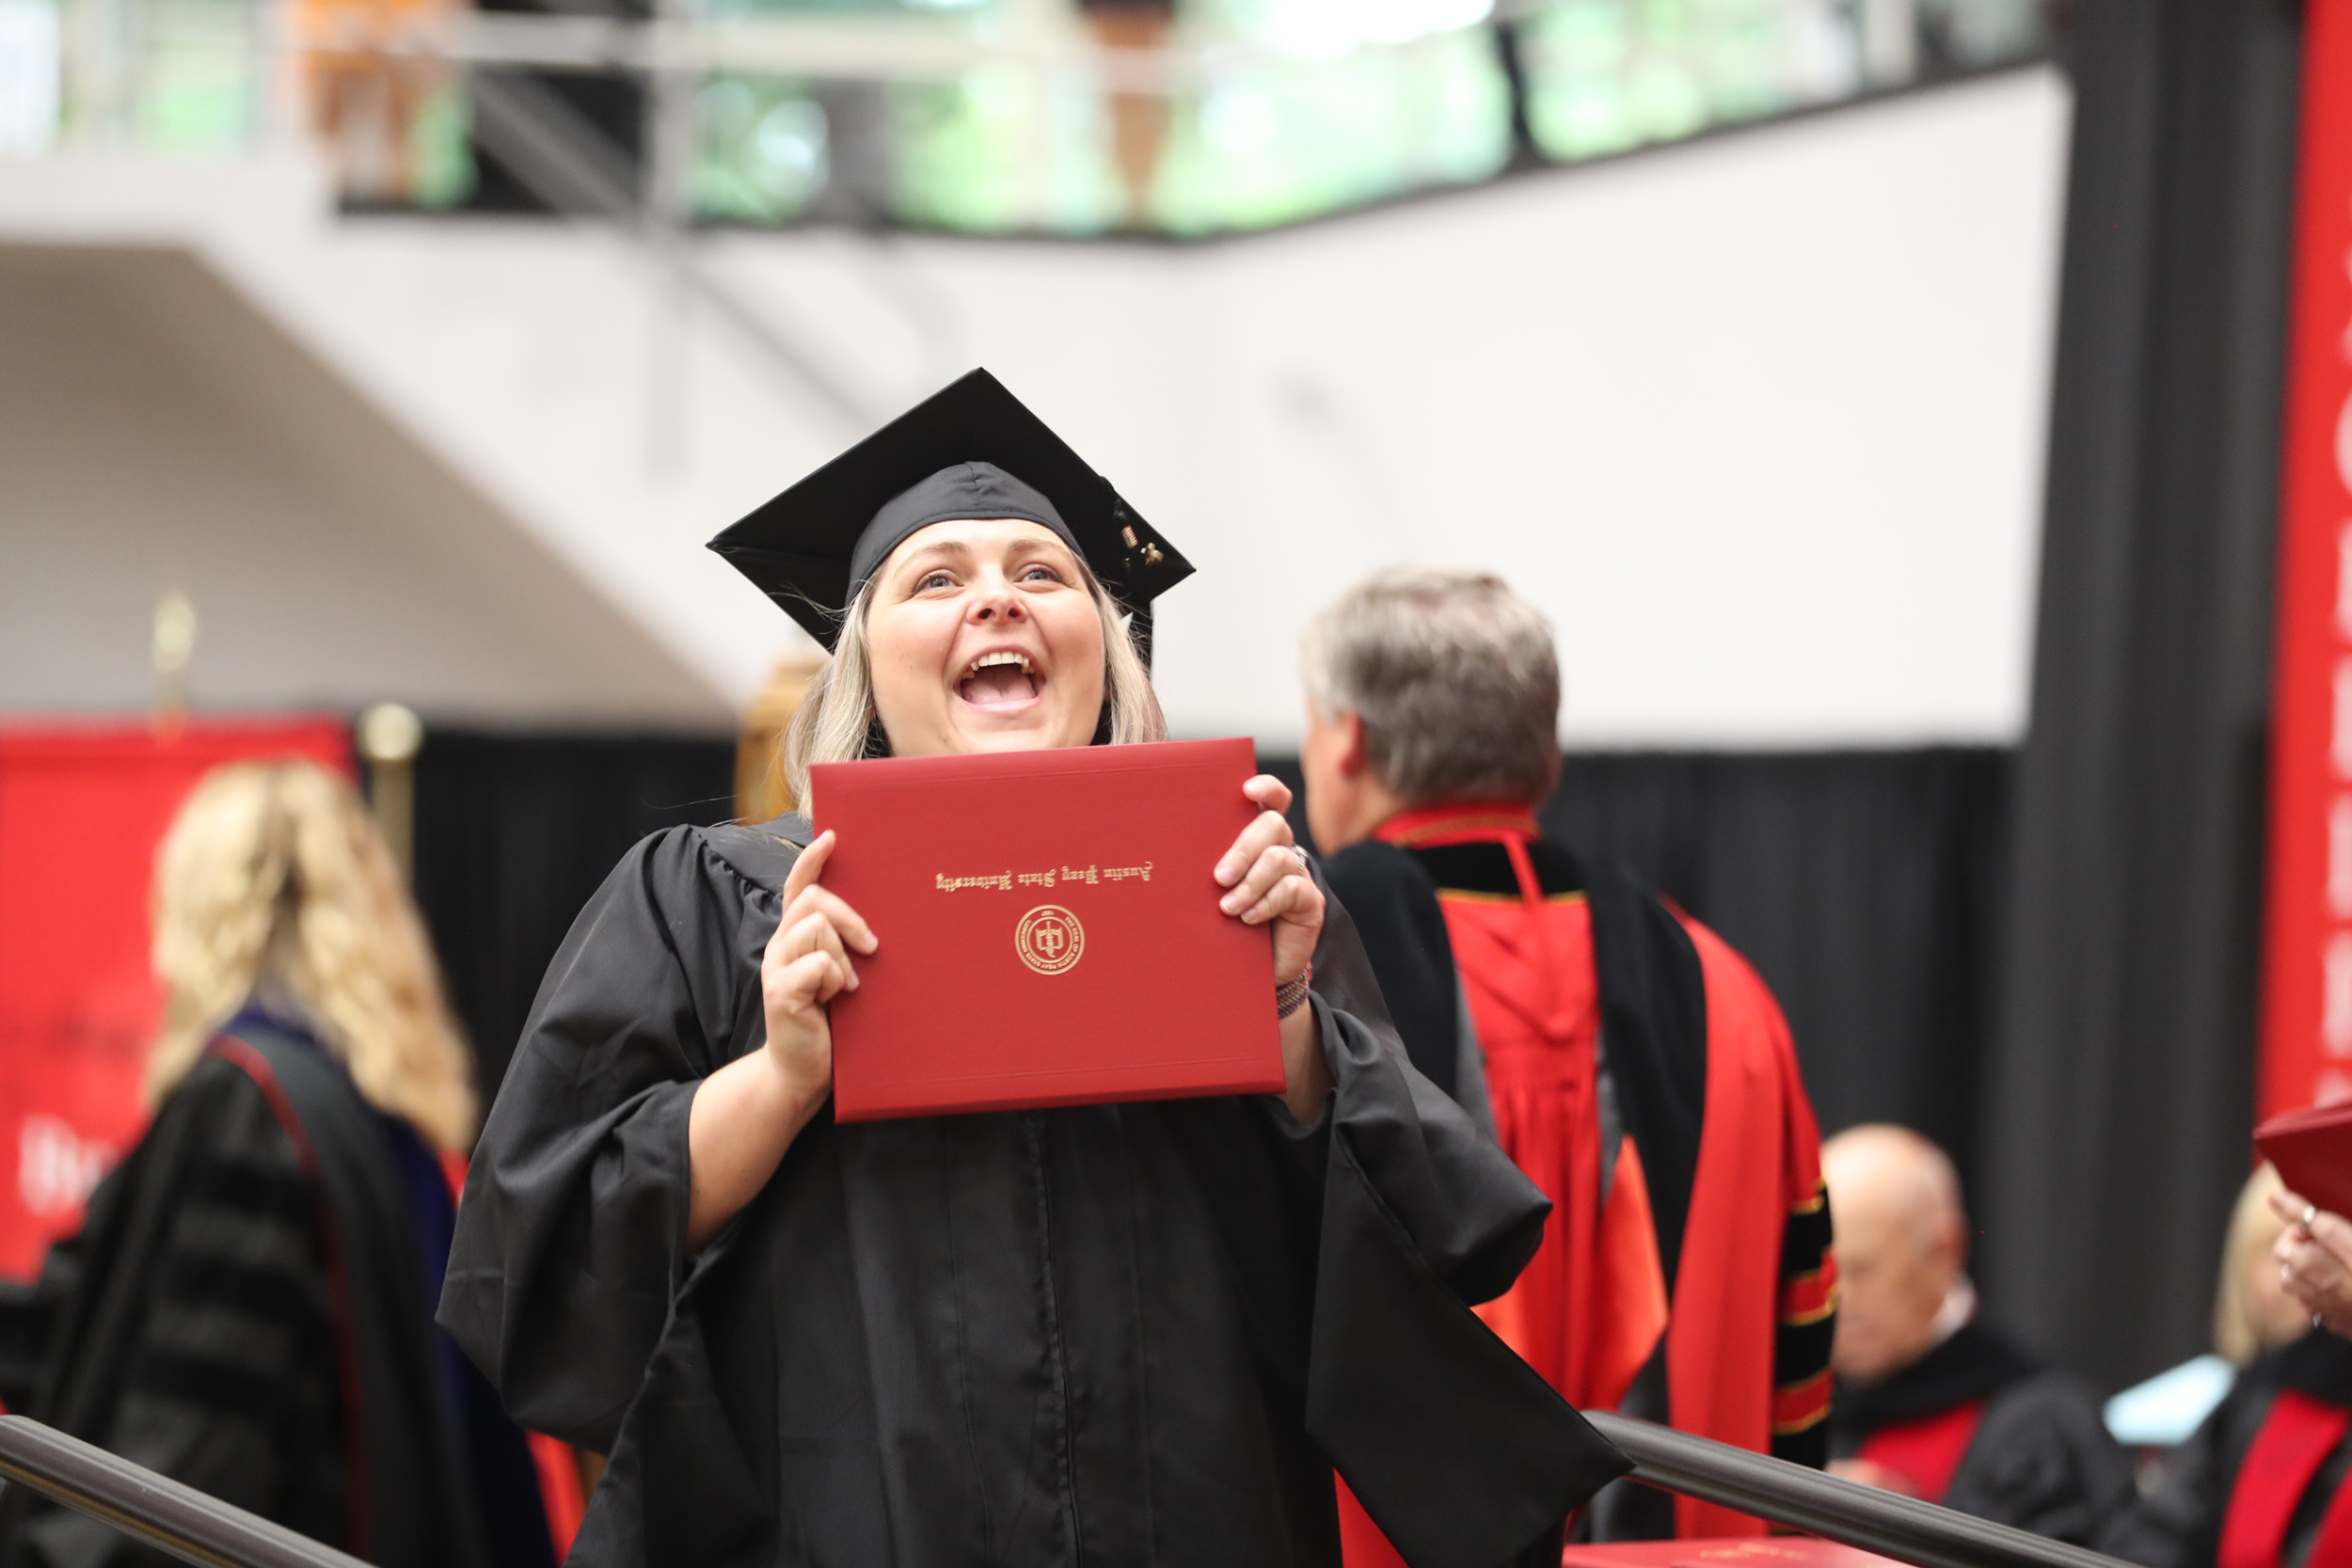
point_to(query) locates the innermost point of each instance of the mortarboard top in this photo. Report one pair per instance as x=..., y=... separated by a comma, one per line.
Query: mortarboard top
x=800, y=547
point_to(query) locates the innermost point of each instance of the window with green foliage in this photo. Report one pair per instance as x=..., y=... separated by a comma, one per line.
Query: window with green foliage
x=991, y=119
x=1296, y=109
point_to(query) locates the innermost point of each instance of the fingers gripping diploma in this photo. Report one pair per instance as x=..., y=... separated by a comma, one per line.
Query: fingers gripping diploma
x=2315, y=1258
x=747, y=1113
x=1267, y=881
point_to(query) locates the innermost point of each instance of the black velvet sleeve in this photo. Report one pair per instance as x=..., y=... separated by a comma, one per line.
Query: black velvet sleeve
x=226, y=1381
x=1804, y=1330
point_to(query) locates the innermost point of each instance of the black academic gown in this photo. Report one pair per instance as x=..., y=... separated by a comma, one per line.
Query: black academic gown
x=1133, y=1334
x=243, y=1310
x=2180, y=1524
x=2041, y=1458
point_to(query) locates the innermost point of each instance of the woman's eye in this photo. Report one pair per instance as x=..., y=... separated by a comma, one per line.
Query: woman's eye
x=1039, y=574
x=934, y=579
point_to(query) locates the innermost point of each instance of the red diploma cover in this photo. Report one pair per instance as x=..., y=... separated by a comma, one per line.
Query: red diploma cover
x=1048, y=927
x=2312, y=1150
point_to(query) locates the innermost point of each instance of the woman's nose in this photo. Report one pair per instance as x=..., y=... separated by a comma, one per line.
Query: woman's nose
x=999, y=605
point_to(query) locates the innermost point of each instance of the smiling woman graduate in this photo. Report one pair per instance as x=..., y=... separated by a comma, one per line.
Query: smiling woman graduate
x=1111, y=1334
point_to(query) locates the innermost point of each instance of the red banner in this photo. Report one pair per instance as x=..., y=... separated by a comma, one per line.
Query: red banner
x=2307, y=958
x=82, y=809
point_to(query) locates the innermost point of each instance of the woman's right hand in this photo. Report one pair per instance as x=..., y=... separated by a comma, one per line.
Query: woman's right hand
x=807, y=965
x=747, y=1113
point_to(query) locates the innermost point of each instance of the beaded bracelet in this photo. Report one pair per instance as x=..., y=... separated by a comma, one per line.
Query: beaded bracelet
x=1291, y=995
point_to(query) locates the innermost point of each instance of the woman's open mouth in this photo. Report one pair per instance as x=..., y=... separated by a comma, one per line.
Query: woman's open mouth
x=1002, y=681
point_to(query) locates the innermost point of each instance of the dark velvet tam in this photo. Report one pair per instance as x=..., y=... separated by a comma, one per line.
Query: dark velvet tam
x=970, y=451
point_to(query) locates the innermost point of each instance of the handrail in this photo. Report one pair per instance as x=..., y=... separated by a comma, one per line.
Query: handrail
x=157, y=1510
x=1834, y=1508
x=210, y=1533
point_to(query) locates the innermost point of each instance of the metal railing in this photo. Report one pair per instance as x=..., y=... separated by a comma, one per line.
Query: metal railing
x=159, y=1511
x=1902, y=1528
x=203, y=1531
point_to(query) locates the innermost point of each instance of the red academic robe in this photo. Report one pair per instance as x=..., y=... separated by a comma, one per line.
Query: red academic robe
x=1735, y=1272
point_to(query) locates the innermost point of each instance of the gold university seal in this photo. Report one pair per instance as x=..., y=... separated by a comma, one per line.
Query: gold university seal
x=1049, y=938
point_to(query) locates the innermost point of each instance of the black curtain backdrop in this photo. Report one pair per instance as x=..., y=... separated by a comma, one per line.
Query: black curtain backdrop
x=2117, y=1092
x=513, y=832
x=1863, y=885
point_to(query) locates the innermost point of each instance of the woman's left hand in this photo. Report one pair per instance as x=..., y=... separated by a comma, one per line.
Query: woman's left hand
x=2314, y=1256
x=1269, y=882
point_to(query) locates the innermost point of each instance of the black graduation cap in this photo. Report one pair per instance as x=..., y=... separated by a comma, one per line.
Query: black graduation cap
x=809, y=549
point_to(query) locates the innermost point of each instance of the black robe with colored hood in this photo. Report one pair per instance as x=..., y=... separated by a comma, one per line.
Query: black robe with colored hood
x=2180, y=1524
x=244, y=1311
x=2039, y=1458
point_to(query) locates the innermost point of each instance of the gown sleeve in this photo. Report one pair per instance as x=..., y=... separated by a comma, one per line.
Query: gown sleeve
x=1460, y=1451
x=2042, y=1461
x=571, y=1238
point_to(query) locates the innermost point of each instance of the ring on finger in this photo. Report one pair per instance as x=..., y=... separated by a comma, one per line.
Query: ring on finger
x=2310, y=1215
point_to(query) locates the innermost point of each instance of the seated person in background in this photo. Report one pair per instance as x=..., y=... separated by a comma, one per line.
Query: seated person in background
x=1931, y=1402
x=2252, y=1315
x=2256, y=1311
x=2261, y=1480
x=2315, y=1258
x=1624, y=1046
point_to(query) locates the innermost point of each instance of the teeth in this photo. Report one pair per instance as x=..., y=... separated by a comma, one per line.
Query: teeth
x=1002, y=656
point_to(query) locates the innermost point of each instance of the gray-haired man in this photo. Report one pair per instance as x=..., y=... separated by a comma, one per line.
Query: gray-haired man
x=1633, y=1064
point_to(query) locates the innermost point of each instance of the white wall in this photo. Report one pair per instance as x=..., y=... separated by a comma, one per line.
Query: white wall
x=155, y=434
x=1758, y=420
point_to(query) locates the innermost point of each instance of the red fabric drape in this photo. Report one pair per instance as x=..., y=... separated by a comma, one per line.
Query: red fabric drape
x=82, y=809
x=1759, y=1157
x=2306, y=1041
x=2295, y=1439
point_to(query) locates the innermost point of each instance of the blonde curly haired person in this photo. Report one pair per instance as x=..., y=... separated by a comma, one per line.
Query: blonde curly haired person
x=248, y=1305
x=273, y=885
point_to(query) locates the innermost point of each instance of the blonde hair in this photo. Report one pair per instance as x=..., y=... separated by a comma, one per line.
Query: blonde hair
x=273, y=876
x=2237, y=1331
x=837, y=721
